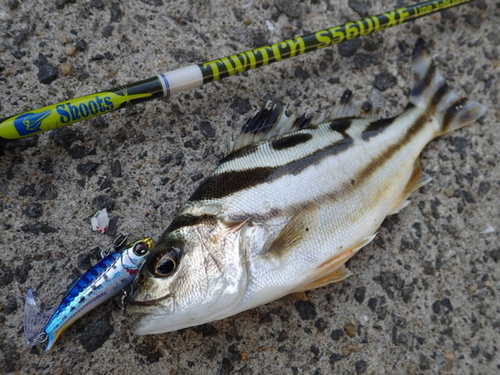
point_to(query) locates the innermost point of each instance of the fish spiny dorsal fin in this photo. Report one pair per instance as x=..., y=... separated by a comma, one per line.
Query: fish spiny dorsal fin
x=270, y=121
x=348, y=108
x=430, y=91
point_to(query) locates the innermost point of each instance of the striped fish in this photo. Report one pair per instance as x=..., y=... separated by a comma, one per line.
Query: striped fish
x=108, y=277
x=292, y=201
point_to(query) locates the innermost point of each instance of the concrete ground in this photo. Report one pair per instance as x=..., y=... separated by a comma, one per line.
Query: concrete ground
x=424, y=295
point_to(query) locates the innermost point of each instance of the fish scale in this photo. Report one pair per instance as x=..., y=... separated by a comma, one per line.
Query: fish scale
x=291, y=203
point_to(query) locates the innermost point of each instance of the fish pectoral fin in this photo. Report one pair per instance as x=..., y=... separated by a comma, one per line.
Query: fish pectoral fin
x=301, y=226
x=417, y=180
x=233, y=226
x=334, y=270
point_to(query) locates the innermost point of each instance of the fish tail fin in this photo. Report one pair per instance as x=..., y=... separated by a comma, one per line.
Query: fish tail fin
x=429, y=90
x=34, y=321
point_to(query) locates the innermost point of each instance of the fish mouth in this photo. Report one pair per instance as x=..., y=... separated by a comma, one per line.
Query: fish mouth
x=152, y=302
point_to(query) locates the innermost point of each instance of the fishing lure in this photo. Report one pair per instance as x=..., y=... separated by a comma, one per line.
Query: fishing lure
x=116, y=271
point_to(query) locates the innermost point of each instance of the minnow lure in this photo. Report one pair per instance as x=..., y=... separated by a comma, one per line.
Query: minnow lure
x=112, y=274
x=291, y=203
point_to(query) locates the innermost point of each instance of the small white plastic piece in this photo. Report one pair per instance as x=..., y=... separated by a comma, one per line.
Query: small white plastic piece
x=181, y=79
x=100, y=221
x=489, y=229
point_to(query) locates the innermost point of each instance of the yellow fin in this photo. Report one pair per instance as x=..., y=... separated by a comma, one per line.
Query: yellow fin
x=335, y=276
x=299, y=296
x=302, y=225
x=233, y=226
x=417, y=180
x=334, y=270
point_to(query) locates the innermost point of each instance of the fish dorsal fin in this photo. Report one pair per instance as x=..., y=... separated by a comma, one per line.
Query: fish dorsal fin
x=270, y=121
x=348, y=108
x=303, y=224
x=334, y=269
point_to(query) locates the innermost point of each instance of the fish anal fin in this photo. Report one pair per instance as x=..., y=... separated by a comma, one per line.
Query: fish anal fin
x=335, y=276
x=299, y=296
x=417, y=180
x=334, y=269
x=302, y=225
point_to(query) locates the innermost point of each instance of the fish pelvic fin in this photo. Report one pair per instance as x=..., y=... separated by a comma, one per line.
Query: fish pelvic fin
x=334, y=269
x=430, y=91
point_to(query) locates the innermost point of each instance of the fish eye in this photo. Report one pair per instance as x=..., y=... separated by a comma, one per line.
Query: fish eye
x=140, y=249
x=164, y=263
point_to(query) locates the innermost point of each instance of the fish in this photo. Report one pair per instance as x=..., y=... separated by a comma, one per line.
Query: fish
x=291, y=202
x=104, y=280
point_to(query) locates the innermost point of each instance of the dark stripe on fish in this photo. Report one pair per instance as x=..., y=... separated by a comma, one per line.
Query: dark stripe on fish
x=188, y=220
x=418, y=85
x=221, y=185
x=240, y=153
x=378, y=162
x=376, y=127
x=341, y=125
x=290, y=141
x=362, y=177
x=451, y=112
x=440, y=93
x=421, y=83
x=429, y=75
x=224, y=184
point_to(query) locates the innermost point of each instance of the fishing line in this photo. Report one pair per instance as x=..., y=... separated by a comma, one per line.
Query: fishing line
x=164, y=84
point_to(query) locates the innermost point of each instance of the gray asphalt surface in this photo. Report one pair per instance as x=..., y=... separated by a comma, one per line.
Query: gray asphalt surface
x=424, y=295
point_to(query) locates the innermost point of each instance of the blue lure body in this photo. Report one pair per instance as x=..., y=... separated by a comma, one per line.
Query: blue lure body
x=108, y=277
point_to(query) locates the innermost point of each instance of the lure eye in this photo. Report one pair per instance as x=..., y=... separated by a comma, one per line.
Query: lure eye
x=164, y=263
x=141, y=249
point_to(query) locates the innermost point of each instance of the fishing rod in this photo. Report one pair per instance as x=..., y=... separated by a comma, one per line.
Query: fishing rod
x=163, y=85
